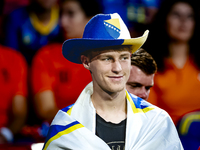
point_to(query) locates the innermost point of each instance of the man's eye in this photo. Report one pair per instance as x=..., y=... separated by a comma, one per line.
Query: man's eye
x=148, y=88
x=132, y=86
x=106, y=59
x=124, y=58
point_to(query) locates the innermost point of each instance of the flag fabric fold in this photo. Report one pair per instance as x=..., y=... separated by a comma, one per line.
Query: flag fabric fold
x=148, y=127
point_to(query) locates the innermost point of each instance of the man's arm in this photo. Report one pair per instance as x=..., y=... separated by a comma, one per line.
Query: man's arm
x=45, y=105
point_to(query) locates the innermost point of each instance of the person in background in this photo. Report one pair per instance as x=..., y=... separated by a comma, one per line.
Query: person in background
x=13, y=91
x=74, y=16
x=53, y=77
x=30, y=27
x=174, y=43
x=142, y=74
x=106, y=116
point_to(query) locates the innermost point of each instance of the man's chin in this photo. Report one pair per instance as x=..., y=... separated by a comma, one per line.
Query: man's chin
x=115, y=89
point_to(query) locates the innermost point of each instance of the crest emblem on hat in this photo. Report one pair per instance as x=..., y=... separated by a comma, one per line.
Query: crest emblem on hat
x=112, y=27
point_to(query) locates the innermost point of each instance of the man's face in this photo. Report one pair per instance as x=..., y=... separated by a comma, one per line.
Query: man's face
x=110, y=70
x=139, y=83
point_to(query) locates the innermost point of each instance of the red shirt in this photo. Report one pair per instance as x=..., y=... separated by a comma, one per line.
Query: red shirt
x=13, y=80
x=177, y=90
x=51, y=71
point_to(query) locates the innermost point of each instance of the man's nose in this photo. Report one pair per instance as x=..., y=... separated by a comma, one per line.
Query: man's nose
x=143, y=93
x=116, y=66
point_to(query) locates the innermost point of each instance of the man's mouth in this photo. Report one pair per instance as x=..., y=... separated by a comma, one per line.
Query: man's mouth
x=116, y=78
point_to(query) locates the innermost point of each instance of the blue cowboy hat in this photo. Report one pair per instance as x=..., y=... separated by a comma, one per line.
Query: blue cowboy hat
x=101, y=31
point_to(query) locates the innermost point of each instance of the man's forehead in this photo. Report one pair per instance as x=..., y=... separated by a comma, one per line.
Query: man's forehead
x=110, y=53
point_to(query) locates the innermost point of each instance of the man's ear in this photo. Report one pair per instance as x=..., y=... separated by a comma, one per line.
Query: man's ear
x=85, y=61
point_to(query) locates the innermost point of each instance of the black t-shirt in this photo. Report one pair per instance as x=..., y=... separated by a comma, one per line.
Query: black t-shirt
x=112, y=134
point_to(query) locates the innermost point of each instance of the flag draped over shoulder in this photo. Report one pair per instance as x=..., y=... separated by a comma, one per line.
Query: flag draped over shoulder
x=148, y=127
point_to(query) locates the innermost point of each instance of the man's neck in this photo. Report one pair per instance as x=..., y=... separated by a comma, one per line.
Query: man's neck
x=112, y=107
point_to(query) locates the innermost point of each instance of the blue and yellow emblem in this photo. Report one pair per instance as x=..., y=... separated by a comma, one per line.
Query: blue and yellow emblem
x=113, y=27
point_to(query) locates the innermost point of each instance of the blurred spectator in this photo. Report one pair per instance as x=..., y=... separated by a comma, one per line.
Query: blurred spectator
x=6, y=7
x=53, y=77
x=174, y=42
x=13, y=91
x=142, y=73
x=189, y=130
x=30, y=27
x=74, y=16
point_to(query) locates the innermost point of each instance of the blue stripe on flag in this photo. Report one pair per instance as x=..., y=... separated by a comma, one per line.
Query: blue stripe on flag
x=54, y=129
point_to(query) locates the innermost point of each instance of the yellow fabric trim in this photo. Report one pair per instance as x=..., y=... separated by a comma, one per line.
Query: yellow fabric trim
x=137, y=110
x=45, y=29
x=185, y=124
x=59, y=134
x=69, y=111
x=114, y=22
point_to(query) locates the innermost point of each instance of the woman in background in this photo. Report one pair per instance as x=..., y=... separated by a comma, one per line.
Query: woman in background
x=174, y=44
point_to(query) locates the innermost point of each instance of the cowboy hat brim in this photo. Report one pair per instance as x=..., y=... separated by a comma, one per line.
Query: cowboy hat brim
x=72, y=49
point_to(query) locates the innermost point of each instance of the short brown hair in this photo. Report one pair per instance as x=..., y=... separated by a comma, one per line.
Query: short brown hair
x=143, y=60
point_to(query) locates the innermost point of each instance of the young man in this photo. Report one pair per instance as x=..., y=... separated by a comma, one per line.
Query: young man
x=142, y=74
x=106, y=116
